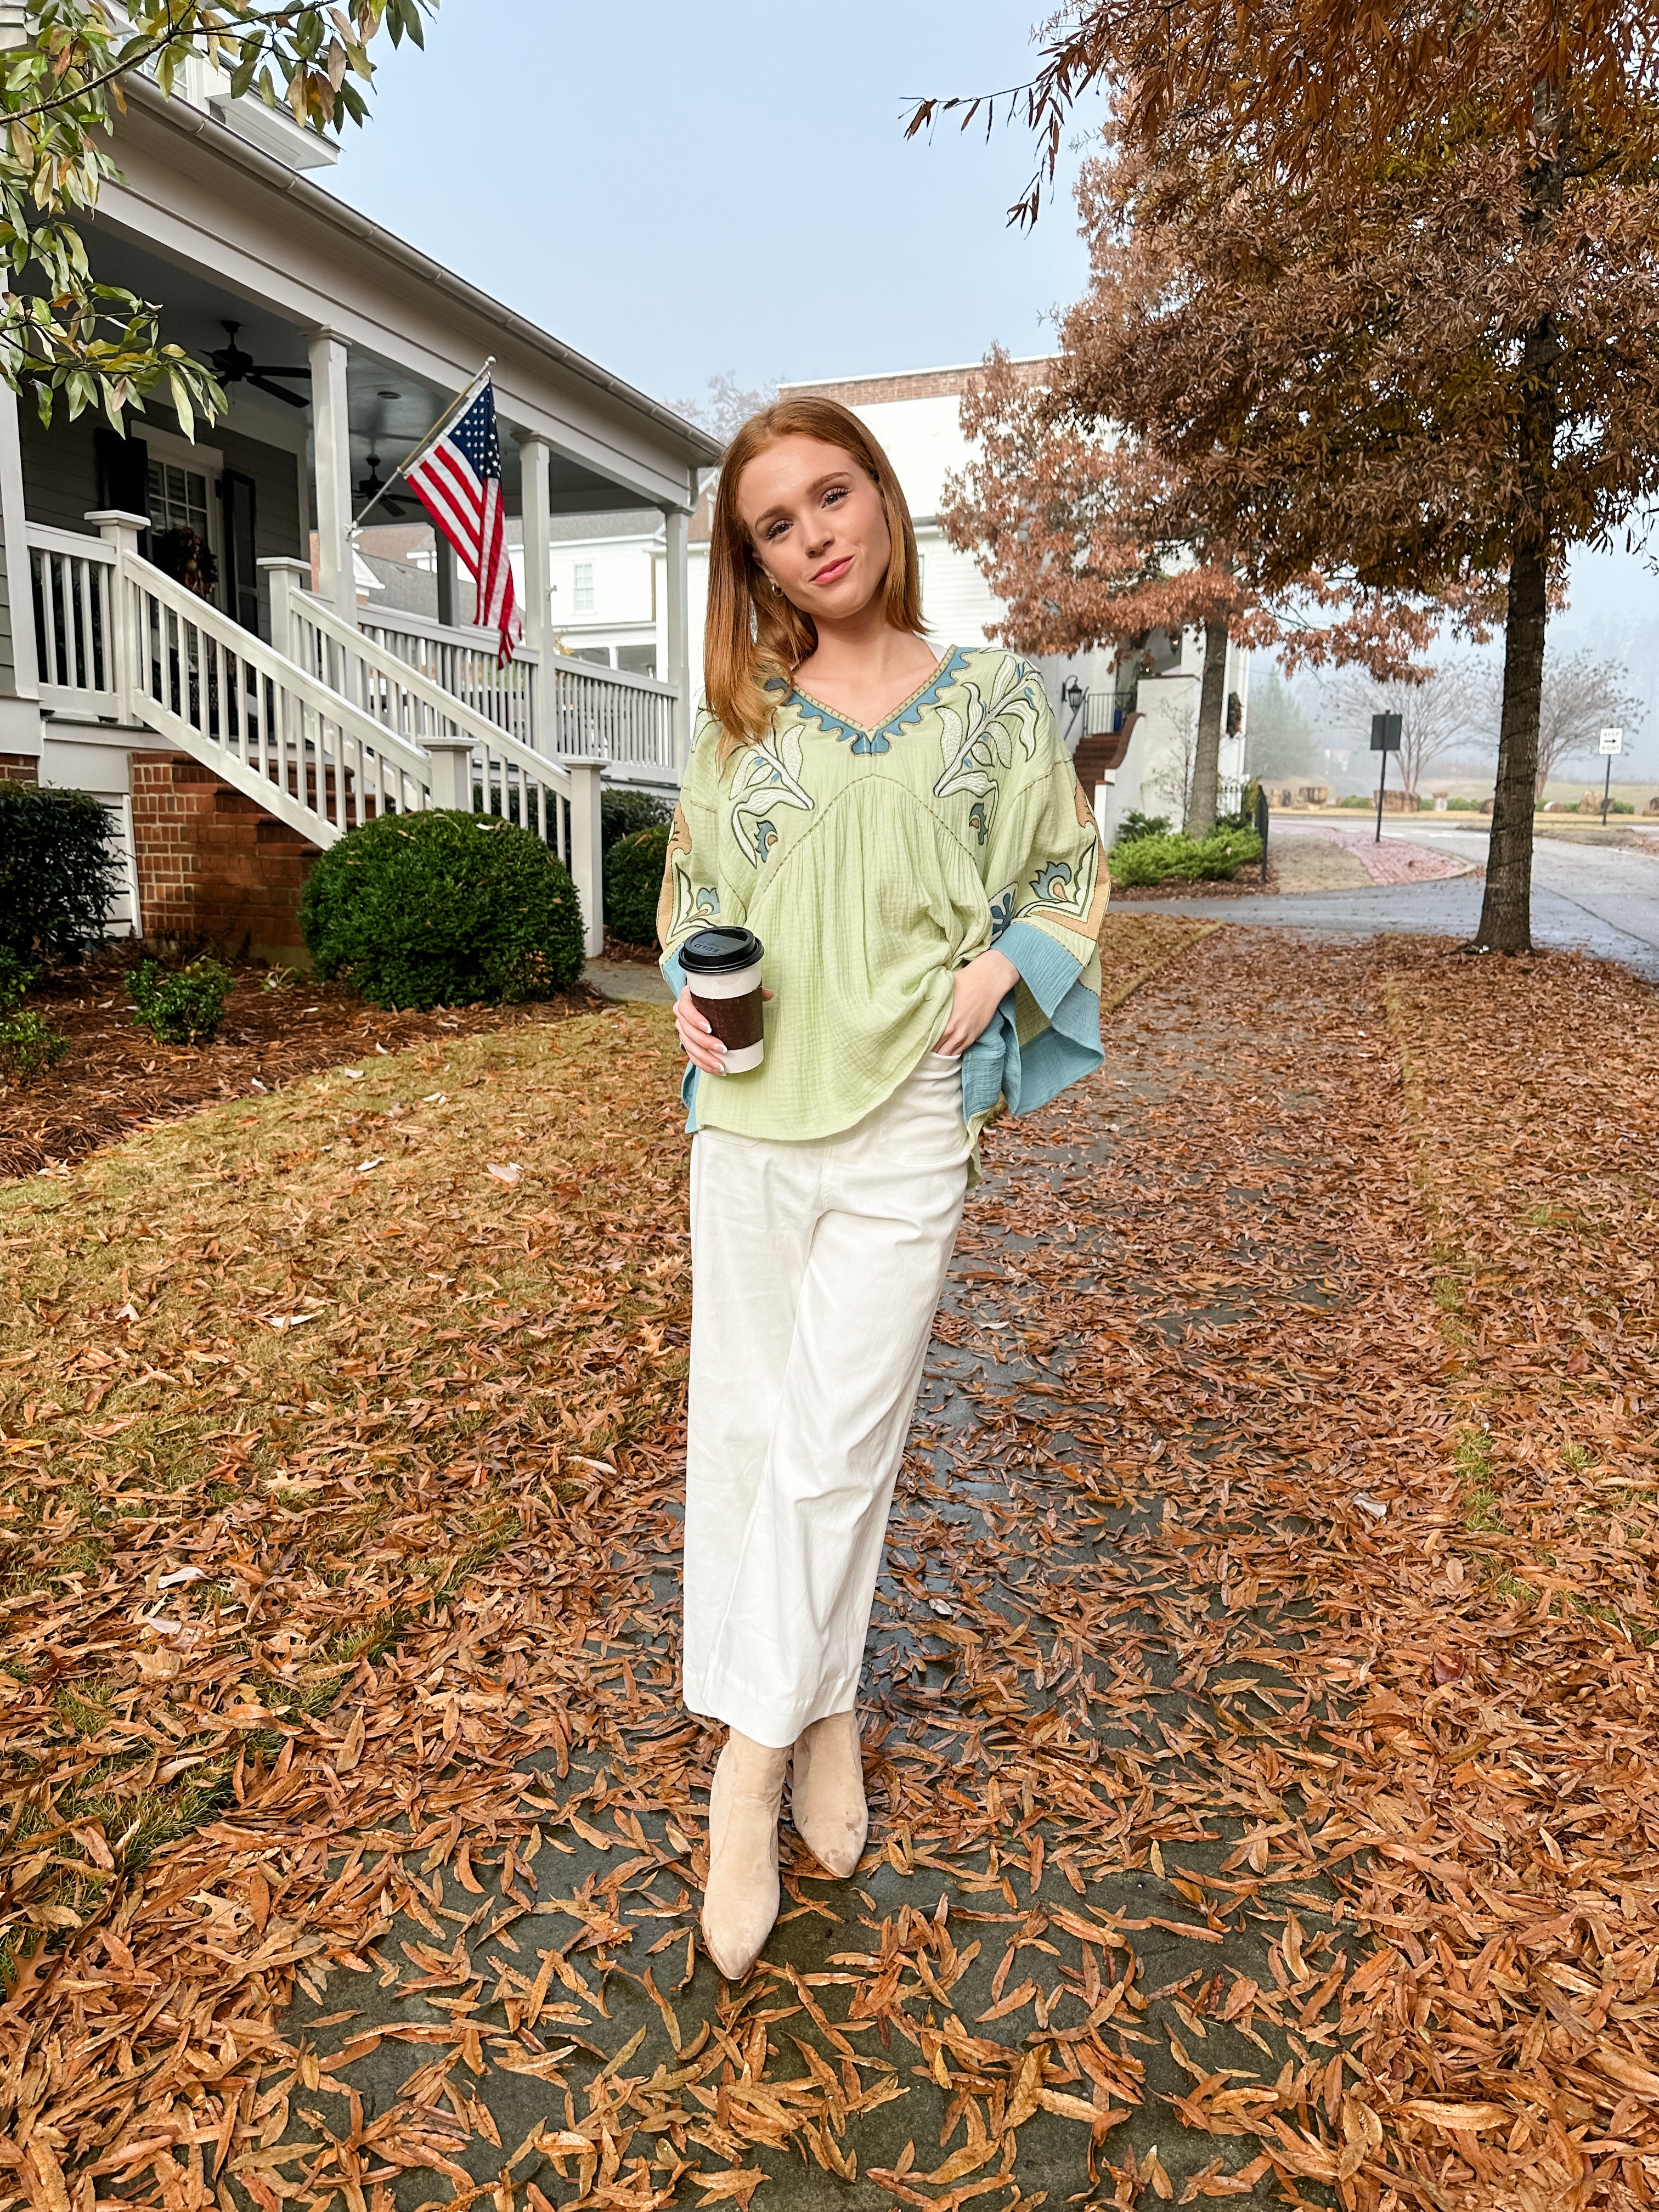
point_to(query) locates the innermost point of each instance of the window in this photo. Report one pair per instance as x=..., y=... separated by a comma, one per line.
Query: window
x=178, y=498
x=637, y=659
x=581, y=587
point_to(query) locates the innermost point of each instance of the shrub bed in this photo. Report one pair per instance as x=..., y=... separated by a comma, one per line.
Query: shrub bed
x=58, y=870
x=633, y=884
x=1215, y=858
x=444, y=909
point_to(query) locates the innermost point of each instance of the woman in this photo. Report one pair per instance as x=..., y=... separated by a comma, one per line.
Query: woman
x=902, y=829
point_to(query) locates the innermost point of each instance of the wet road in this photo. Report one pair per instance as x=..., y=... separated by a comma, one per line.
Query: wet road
x=1601, y=899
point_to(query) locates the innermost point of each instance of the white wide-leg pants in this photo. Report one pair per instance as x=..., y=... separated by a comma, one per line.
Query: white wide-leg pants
x=816, y=1271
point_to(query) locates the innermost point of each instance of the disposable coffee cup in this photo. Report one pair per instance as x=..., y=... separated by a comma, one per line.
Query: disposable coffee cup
x=722, y=972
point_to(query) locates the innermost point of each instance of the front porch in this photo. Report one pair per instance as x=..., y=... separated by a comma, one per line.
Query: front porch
x=284, y=683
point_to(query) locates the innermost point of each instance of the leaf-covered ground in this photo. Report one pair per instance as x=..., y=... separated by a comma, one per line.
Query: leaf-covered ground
x=1260, y=1690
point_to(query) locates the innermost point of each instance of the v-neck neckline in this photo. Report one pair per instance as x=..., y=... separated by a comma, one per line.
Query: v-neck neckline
x=886, y=721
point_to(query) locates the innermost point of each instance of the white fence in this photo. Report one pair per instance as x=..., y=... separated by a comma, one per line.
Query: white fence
x=73, y=577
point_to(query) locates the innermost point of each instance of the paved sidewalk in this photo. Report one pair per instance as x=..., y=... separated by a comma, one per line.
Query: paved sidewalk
x=1600, y=899
x=1395, y=860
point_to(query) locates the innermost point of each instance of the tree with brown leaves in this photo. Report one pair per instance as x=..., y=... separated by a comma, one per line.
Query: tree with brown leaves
x=1425, y=243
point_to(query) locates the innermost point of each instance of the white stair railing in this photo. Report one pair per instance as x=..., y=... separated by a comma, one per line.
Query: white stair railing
x=490, y=770
x=190, y=672
x=73, y=577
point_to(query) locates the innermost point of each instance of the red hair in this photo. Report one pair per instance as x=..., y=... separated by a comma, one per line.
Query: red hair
x=754, y=637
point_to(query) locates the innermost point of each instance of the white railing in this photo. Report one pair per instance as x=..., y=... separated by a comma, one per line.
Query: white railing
x=592, y=713
x=269, y=728
x=611, y=714
x=73, y=577
x=326, y=728
x=491, y=771
x=464, y=663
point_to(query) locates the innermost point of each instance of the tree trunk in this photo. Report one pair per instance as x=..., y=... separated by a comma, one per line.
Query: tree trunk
x=1506, y=909
x=1212, y=706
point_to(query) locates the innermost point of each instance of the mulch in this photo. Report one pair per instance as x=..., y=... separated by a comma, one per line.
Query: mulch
x=116, y=1079
x=1273, y=1579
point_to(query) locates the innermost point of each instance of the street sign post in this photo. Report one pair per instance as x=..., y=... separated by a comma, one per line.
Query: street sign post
x=1386, y=731
x=1613, y=744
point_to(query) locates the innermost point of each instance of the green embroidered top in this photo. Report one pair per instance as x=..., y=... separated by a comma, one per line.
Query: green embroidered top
x=871, y=864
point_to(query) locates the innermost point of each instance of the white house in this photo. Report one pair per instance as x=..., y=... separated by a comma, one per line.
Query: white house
x=233, y=735
x=1131, y=734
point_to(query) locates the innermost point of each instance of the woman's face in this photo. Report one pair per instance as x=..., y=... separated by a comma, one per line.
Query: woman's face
x=817, y=526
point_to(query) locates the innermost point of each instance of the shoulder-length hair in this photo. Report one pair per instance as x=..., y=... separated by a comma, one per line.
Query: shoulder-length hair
x=753, y=636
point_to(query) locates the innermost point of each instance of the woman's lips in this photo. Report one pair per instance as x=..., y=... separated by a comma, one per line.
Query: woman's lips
x=833, y=569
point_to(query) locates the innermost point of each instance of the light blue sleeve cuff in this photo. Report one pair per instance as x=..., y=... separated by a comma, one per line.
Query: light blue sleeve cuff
x=1046, y=968
x=996, y=1065
x=673, y=971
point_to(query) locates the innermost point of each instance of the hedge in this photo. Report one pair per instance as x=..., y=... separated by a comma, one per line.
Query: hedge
x=633, y=884
x=58, y=871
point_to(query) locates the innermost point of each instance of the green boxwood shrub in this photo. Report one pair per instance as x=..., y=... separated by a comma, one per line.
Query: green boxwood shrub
x=1136, y=825
x=443, y=909
x=183, y=1006
x=58, y=870
x=622, y=813
x=633, y=883
x=1216, y=859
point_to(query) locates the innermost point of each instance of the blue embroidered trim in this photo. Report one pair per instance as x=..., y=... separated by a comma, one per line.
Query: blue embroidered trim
x=878, y=740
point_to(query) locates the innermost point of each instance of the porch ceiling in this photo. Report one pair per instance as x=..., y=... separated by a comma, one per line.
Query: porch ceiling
x=390, y=405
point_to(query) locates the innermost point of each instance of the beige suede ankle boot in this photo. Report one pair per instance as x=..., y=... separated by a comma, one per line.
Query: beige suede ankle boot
x=740, y=1898
x=826, y=1798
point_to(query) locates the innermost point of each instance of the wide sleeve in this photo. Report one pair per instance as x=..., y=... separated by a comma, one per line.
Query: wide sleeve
x=1048, y=885
x=690, y=898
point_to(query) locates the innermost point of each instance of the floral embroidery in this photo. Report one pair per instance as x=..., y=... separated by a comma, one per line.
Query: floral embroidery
x=1055, y=877
x=879, y=739
x=976, y=821
x=1002, y=910
x=767, y=776
x=980, y=744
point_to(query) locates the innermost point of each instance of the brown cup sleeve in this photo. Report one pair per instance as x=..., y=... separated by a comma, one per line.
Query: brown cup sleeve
x=736, y=1022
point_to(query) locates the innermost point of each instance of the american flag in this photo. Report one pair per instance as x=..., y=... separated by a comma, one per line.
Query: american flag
x=458, y=480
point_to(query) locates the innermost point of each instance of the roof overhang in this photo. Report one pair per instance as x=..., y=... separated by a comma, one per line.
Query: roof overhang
x=195, y=194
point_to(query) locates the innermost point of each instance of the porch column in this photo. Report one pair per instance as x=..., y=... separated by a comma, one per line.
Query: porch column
x=538, y=539
x=20, y=685
x=537, y=522
x=331, y=441
x=678, y=670
x=447, y=594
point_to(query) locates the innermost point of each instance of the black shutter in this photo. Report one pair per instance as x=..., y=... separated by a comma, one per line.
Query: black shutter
x=122, y=472
x=241, y=575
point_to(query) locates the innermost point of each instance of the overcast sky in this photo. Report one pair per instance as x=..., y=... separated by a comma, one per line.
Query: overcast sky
x=680, y=192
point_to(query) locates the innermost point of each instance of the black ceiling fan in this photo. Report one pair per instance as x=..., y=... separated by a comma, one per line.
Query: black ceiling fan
x=231, y=365
x=372, y=491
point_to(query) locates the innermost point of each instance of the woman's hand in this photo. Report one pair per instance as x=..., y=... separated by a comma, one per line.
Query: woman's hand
x=703, y=1048
x=978, y=990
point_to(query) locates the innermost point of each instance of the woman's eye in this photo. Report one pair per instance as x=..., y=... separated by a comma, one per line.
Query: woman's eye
x=775, y=530
x=836, y=492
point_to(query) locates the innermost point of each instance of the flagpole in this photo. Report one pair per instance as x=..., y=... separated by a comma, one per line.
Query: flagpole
x=451, y=410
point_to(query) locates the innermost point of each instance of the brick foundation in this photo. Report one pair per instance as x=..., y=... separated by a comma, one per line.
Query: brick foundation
x=19, y=768
x=213, y=866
